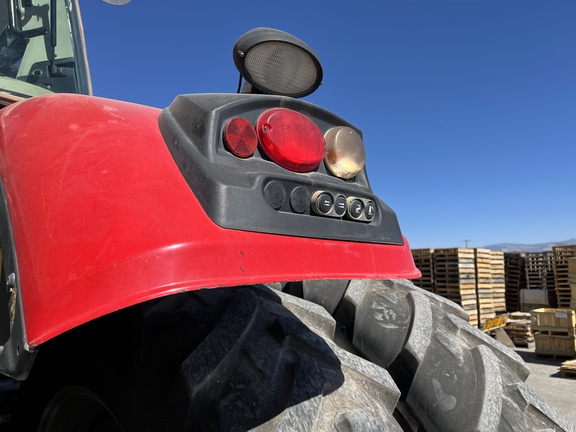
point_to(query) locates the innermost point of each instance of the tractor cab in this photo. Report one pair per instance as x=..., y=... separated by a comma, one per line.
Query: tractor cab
x=42, y=48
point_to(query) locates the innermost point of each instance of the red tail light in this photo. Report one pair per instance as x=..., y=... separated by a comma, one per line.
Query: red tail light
x=291, y=139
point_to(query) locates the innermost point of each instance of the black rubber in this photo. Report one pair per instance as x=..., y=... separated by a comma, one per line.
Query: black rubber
x=452, y=376
x=238, y=359
x=252, y=358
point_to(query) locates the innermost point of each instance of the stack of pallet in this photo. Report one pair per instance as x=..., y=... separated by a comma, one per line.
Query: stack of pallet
x=514, y=269
x=561, y=256
x=554, y=331
x=455, y=278
x=484, y=292
x=473, y=278
x=572, y=281
x=539, y=268
x=518, y=327
x=498, y=280
x=424, y=261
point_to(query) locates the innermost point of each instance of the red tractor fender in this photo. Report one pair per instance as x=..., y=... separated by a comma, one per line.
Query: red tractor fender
x=102, y=219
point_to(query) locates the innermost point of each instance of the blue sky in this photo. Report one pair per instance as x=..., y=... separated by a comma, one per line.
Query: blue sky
x=468, y=107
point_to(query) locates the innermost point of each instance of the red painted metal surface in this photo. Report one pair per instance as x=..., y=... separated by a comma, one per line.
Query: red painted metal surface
x=103, y=219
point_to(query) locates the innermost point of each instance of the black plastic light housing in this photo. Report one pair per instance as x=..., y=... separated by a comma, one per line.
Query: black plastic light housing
x=275, y=62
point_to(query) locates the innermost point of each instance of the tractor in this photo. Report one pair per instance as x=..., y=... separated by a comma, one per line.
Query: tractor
x=218, y=265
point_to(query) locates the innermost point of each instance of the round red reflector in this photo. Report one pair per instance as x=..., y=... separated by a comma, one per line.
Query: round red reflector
x=291, y=139
x=240, y=137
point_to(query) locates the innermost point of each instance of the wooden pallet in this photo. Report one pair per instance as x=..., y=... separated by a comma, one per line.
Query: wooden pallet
x=515, y=279
x=546, y=318
x=557, y=346
x=568, y=369
x=454, y=278
x=539, y=268
x=518, y=327
x=424, y=261
x=498, y=280
x=553, y=331
x=572, y=281
x=562, y=254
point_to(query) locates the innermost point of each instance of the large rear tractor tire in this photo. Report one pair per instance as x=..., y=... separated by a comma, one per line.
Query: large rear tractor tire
x=375, y=356
x=452, y=376
x=238, y=359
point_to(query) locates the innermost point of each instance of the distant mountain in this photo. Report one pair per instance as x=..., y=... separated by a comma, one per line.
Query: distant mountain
x=518, y=247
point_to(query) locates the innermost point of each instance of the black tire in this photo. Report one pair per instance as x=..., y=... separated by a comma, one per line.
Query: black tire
x=452, y=376
x=234, y=359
